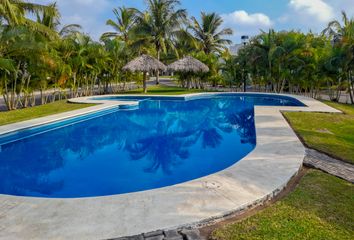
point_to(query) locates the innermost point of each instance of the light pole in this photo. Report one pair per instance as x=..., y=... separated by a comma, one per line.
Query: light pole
x=244, y=40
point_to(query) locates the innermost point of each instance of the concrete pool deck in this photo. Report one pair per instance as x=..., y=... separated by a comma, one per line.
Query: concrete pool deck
x=260, y=175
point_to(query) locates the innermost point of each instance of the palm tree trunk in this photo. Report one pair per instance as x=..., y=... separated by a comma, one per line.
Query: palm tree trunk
x=27, y=95
x=74, y=85
x=6, y=95
x=158, y=72
x=189, y=84
x=282, y=86
x=350, y=86
x=124, y=83
x=144, y=82
x=14, y=87
x=18, y=98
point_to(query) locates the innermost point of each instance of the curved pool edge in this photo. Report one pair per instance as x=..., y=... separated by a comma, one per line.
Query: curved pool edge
x=109, y=104
x=267, y=169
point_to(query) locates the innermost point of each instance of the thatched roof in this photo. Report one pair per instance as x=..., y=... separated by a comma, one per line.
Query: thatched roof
x=188, y=64
x=144, y=63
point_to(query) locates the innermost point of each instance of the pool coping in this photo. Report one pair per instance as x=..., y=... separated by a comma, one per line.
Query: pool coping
x=260, y=175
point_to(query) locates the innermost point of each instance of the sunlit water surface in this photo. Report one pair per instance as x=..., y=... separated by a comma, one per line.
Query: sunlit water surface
x=159, y=144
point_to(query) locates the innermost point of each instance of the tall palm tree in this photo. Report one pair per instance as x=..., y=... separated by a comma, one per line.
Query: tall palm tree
x=123, y=24
x=269, y=50
x=20, y=50
x=13, y=13
x=51, y=19
x=159, y=24
x=340, y=31
x=120, y=53
x=209, y=34
x=343, y=37
x=230, y=70
x=7, y=65
x=185, y=43
x=69, y=29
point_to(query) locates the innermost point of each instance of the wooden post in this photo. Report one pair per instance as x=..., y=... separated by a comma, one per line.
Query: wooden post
x=144, y=82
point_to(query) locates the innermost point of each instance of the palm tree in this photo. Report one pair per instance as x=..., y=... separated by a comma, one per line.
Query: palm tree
x=343, y=37
x=208, y=33
x=266, y=42
x=125, y=21
x=230, y=70
x=51, y=19
x=119, y=54
x=159, y=25
x=338, y=31
x=20, y=50
x=13, y=13
x=184, y=43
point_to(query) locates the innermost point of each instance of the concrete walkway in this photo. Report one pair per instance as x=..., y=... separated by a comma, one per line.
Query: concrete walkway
x=329, y=165
x=313, y=159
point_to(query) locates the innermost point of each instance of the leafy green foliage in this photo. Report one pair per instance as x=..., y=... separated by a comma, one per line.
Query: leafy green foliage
x=208, y=33
x=299, y=63
x=62, y=63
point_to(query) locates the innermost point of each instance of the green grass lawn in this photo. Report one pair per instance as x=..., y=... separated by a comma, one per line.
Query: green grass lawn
x=321, y=207
x=329, y=133
x=165, y=90
x=39, y=111
x=165, y=77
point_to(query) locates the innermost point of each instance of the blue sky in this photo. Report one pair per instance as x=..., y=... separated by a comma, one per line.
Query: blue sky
x=244, y=17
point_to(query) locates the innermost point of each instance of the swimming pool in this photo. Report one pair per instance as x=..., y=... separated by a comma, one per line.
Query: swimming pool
x=161, y=143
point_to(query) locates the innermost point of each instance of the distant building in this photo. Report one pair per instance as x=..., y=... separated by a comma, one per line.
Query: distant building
x=236, y=48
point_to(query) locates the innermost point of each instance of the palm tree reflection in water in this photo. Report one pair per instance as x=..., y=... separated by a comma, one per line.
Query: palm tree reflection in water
x=161, y=143
x=163, y=148
x=200, y=121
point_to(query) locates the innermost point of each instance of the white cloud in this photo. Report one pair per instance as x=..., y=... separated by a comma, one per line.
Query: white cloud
x=243, y=23
x=296, y=14
x=318, y=9
x=243, y=18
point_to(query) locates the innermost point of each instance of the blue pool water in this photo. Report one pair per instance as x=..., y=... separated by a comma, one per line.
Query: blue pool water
x=161, y=143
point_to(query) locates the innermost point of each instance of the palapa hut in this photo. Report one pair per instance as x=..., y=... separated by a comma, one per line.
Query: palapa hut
x=145, y=64
x=188, y=65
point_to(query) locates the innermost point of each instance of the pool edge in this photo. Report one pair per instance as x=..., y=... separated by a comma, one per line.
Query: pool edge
x=276, y=158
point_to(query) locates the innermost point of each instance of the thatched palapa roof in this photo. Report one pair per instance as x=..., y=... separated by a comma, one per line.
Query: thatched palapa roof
x=144, y=63
x=188, y=64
